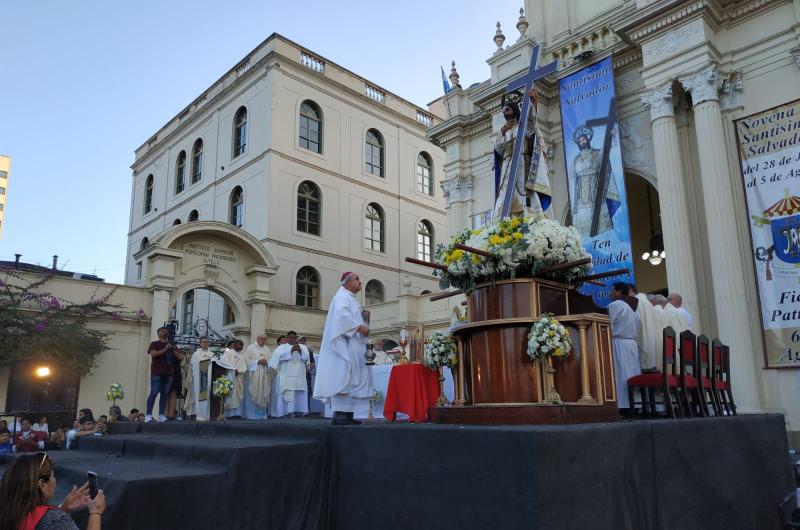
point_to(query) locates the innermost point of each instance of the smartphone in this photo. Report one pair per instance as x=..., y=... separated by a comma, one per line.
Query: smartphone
x=93, y=486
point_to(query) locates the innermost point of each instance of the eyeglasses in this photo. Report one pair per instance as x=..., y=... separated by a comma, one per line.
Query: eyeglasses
x=44, y=457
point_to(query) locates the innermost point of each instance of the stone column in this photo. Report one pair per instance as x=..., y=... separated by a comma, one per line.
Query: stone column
x=258, y=320
x=457, y=192
x=160, y=312
x=672, y=196
x=727, y=256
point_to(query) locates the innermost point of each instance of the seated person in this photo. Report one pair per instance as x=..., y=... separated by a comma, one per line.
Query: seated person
x=115, y=414
x=102, y=427
x=6, y=446
x=41, y=425
x=59, y=436
x=27, y=440
x=88, y=428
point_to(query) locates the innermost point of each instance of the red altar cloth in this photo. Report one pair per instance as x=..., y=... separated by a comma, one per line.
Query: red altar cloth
x=412, y=389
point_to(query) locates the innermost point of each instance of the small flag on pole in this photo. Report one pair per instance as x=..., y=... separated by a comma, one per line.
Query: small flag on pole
x=445, y=82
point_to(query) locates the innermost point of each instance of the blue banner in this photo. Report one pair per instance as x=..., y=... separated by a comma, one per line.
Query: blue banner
x=595, y=175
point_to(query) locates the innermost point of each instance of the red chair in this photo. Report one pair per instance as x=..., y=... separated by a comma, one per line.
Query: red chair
x=687, y=380
x=705, y=370
x=667, y=381
x=723, y=381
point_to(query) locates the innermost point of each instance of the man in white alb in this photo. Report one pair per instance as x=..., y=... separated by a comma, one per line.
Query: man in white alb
x=343, y=378
x=624, y=330
x=235, y=361
x=650, y=338
x=291, y=363
x=198, y=408
x=259, y=378
x=676, y=301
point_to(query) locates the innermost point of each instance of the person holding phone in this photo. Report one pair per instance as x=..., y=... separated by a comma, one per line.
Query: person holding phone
x=28, y=485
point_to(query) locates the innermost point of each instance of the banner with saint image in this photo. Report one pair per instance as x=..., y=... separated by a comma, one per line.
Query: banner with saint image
x=769, y=151
x=594, y=173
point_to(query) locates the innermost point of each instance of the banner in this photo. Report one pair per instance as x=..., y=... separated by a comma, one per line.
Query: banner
x=594, y=173
x=769, y=152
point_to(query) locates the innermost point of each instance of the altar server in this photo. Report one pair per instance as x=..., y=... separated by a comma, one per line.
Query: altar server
x=343, y=378
x=624, y=330
x=291, y=363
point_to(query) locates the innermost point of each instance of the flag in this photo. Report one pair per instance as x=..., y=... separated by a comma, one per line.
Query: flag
x=445, y=82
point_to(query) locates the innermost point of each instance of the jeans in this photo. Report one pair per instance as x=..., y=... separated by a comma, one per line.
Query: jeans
x=159, y=384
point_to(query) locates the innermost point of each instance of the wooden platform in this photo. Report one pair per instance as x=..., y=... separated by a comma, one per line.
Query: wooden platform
x=524, y=414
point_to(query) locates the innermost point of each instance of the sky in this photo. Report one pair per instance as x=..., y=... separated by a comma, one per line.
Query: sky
x=83, y=84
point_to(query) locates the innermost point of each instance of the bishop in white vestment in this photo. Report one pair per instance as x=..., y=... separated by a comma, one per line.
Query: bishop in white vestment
x=343, y=377
x=624, y=330
x=290, y=361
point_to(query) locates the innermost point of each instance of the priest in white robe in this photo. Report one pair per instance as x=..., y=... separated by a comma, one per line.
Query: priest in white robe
x=343, y=377
x=672, y=316
x=650, y=338
x=381, y=357
x=235, y=361
x=676, y=301
x=624, y=330
x=259, y=377
x=291, y=364
x=200, y=380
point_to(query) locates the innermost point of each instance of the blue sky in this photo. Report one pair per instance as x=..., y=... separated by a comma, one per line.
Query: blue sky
x=83, y=84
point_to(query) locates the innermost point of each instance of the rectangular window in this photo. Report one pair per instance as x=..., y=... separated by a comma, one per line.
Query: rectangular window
x=2, y=191
x=1, y=206
x=3, y=174
x=138, y=270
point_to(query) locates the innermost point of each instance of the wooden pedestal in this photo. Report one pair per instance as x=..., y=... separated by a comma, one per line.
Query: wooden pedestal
x=497, y=381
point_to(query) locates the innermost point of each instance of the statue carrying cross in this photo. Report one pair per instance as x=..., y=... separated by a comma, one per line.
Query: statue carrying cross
x=510, y=181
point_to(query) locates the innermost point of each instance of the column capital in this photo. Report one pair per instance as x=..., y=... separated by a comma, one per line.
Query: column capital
x=704, y=84
x=659, y=99
x=457, y=189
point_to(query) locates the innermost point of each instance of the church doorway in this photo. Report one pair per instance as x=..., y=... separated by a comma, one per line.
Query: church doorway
x=647, y=242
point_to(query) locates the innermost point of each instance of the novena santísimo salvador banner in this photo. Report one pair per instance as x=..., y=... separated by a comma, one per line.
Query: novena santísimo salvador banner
x=594, y=173
x=769, y=151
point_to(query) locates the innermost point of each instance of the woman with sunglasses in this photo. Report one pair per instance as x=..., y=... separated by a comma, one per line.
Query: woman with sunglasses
x=28, y=484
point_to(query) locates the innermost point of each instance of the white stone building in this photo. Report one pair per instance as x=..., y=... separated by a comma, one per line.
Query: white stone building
x=327, y=170
x=5, y=169
x=684, y=70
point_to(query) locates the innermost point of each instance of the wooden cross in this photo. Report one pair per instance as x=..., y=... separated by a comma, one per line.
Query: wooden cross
x=524, y=82
x=609, y=122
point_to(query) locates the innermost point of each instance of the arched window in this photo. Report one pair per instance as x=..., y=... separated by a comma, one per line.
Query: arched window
x=373, y=154
x=144, y=244
x=424, y=240
x=239, y=132
x=424, y=173
x=236, y=216
x=148, y=194
x=310, y=127
x=176, y=222
x=307, y=287
x=188, y=312
x=374, y=292
x=374, y=232
x=308, y=208
x=197, y=160
x=194, y=216
x=180, y=173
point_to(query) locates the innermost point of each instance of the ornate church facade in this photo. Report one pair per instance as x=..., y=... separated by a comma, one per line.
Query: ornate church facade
x=684, y=71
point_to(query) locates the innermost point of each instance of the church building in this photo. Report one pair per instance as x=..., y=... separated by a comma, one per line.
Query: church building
x=684, y=73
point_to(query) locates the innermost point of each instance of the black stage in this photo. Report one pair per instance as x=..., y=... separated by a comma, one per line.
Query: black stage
x=715, y=473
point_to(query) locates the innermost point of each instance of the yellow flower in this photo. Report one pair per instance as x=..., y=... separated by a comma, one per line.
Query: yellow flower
x=552, y=333
x=475, y=259
x=457, y=254
x=515, y=222
x=558, y=352
x=476, y=232
x=517, y=236
x=495, y=240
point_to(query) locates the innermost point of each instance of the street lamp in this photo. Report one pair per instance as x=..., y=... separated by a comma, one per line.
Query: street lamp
x=43, y=371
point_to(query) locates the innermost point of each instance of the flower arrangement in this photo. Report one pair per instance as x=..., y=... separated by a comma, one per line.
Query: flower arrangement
x=222, y=387
x=520, y=247
x=115, y=392
x=440, y=350
x=548, y=338
x=378, y=396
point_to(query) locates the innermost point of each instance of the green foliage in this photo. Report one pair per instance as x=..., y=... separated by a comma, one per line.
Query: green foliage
x=36, y=324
